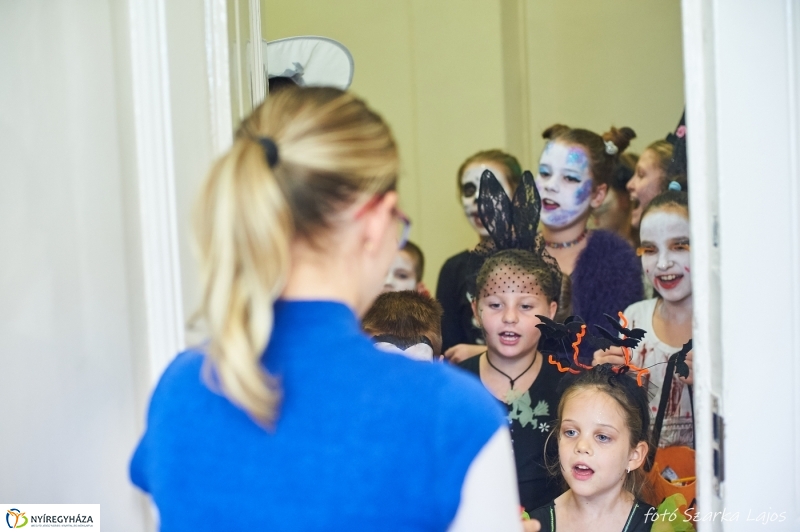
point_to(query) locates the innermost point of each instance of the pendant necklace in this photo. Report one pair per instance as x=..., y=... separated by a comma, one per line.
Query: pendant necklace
x=506, y=375
x=562, y=245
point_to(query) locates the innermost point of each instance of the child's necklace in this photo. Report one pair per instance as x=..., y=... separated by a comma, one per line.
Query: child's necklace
x=562, y=245
x=506, y=375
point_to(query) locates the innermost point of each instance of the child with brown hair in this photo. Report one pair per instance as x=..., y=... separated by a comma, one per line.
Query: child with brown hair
x=406, y=322
x=575, y=171
x=603, y=434
x=461, y=335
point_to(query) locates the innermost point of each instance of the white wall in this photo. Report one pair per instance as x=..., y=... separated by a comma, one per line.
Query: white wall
x=68, y=397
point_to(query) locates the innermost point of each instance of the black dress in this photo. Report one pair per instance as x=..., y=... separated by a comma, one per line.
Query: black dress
x=639, y=519
x=531, y=419
x=454, y=292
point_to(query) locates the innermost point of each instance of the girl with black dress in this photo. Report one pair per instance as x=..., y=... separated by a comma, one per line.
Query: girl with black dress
x=517, y=282
x=461, y=338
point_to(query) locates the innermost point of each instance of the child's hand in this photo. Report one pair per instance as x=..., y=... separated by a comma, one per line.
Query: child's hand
x=531, y=525
x=690, y=379
x=612, y=355
x=461, y=352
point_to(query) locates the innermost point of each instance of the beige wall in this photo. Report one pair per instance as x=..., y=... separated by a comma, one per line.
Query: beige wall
x=434, y=71
x=596, y=64
x=456, y=76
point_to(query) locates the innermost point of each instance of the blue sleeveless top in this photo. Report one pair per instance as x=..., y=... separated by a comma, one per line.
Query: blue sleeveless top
x=365, y=440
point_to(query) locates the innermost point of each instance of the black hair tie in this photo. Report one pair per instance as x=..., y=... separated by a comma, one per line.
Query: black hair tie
x=270, y=150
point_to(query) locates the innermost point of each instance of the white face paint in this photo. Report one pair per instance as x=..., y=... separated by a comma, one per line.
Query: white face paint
x=402, y=275
x=471, y=189
x=665, y=253
x=565, y=184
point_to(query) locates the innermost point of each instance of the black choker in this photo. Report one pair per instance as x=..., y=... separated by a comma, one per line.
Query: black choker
x=512, y=381
x=562, y=245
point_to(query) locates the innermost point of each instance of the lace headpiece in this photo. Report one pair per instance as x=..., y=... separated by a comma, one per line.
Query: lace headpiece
x=512, y=224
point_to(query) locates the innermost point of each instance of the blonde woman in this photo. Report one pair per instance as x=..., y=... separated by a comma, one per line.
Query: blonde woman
x=289, y=418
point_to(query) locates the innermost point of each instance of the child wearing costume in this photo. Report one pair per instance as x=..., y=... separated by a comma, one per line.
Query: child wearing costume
x=407, y=323
x=517, y=281
x=575, y=170
x=602, y=432
x=667, y=318
x=461, y=336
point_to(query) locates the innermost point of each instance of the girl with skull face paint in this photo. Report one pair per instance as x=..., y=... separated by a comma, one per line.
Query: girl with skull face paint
x=667, y=318
x=461, y=336
x=575, y=170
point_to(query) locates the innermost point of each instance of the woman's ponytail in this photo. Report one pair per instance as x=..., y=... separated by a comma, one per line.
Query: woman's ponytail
x=244, y=227
x=298, y=159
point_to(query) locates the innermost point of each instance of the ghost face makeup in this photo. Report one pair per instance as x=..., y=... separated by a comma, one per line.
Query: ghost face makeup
x=402, y=275
x=471, y=189
x=647, y=182
x=665, y=253
x=565, y=185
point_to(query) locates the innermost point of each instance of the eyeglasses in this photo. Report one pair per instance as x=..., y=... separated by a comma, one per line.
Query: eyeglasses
x=403, y=226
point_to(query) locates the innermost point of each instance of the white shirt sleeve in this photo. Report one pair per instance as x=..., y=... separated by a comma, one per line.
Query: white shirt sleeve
x=489, y=497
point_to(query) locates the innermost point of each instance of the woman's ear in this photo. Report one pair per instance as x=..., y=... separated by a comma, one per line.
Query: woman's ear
x=378, y=221
x=598, y=196
x=637, y=456
x=553, y=309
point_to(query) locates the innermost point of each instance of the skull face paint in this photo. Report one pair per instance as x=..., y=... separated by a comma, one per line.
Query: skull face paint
x=565, y=184
x=665, y=253
x=402, y=275
x=471, y=189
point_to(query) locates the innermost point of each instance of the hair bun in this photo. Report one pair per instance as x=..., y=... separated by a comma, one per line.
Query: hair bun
x=554, y=131
x=621, y=138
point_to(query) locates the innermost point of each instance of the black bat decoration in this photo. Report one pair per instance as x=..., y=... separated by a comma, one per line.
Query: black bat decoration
x=634, y=333
x=557, y=338
x=630, y=342
x=681, y=367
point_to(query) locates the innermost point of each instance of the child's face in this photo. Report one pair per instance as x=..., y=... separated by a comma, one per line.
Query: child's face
x=645, y=184
x=471, y=189
x=665, y=253
x=565, y=185
x=594, y=444
x=402, y=275
x=507, y=315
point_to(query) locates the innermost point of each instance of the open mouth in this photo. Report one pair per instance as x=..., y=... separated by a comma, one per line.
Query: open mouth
x=582, y=472
x=668, y=282
x=509, y=338
x=550, y=205
x=635, y=203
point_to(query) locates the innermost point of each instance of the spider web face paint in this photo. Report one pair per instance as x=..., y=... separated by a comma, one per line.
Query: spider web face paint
x=565, y=184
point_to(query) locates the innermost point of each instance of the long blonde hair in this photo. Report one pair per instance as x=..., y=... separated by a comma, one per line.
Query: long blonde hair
x=331, y=148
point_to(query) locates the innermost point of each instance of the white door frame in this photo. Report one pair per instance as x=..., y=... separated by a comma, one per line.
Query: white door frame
x=741, y=65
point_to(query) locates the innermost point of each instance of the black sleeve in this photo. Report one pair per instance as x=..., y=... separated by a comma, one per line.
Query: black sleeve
x=448, y=294
x=546, y=517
